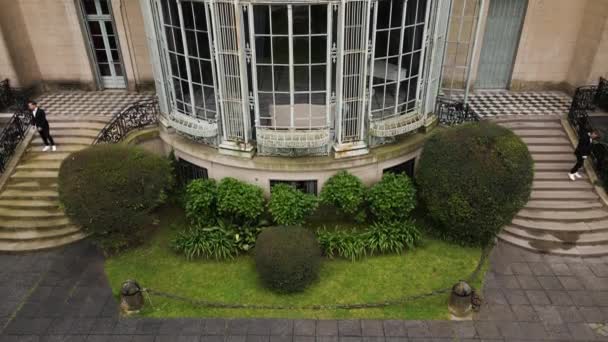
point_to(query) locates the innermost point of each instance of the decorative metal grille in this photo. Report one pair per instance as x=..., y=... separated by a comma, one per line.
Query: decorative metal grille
x=12, y=135
x=186, y=171
x=454, y=112
x=601, y=96
x=138, y=115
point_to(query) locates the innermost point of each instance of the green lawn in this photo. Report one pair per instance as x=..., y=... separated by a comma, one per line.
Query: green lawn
x=433, y=265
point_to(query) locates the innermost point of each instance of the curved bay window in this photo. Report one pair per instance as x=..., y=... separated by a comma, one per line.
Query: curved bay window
x=316, y=73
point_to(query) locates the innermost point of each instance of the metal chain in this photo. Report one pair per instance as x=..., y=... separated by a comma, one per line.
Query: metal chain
x=385, y=303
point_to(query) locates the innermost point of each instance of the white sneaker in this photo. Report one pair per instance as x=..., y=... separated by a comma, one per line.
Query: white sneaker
x=54, y=148
x=46, y=148
x=578, y=175
x=571, y=175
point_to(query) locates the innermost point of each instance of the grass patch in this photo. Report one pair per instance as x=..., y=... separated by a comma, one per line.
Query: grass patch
x=433, y=265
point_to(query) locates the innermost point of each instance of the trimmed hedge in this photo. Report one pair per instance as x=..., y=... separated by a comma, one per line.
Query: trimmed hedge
x=393, y=198
x=240, y=202
x=201, y=202
x=473, y=179
x=344, y=191
x=287, y=259
x=110, y=190
x=290, y=206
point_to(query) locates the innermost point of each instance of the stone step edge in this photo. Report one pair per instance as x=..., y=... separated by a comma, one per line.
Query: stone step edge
x=32, y=235
x=28, y=246
x=588, y=238
x=585, y=252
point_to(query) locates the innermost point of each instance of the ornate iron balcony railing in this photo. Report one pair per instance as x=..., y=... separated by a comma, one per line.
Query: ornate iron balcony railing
x=450, y=112
x=12, y=135
x=138, y=115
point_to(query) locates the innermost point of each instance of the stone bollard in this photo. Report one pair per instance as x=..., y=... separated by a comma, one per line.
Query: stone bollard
x=131, y=297
x=460, y=301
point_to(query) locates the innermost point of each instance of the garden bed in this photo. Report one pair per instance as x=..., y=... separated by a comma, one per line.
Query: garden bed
x=433, y=265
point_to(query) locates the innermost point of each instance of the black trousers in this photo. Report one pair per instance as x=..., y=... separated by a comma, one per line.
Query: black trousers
x=579, y=163
x=45, y=134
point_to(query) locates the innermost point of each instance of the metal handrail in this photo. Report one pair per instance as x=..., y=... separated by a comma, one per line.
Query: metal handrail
x=451, y=112
x=138, y=115
x=12, y=135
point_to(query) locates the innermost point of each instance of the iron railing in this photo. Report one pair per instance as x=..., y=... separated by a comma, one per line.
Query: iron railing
x=138, y=115
x=12, y=134
x=450, y=112
x=589, y=98
x=12, y=98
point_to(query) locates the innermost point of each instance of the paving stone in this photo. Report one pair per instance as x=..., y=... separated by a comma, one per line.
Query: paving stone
x=149, y=326
x=372, y=328
x=592, y=314
x=569, y=314
x=416, y=329
x=350, y=339
x=327, y=328
x=283, y=338
x=349, y=328
x=507, y=281
x=236, y=327
x=214, y=326
x=561, y=269
x=25, y=326
x=143, y=338
x=581, y=298
x=259, y=327
x=302, y=327
x=525, y=313
x=600, y=270
x=281, y=327
x=440, y=328
x=550, y=283
x=548, y=314
x=516, y=297
x=257, y=338
x=487, y=329
x=570, y=283
x=394, y=328
x=303, y=339
x=528, y=282
x=510, y=330
x=60, y=326
x=533, y=330
x=521, y=268
x=212, y=338
x=538, y=297
x=82, y=326
x=559, y=298
x=464, y=329
x=327, y=339
x=496, y=313
x=541, y=269
x=600, y=297
x=581, y=332
x=235, y=338
x=494, y=296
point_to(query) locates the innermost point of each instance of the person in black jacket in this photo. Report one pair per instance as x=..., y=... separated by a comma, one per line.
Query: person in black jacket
x=583, y=149
x=42, y=125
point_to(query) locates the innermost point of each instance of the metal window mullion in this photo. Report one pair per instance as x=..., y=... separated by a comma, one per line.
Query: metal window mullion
x=106, y=42
x=422, y=55
x=211, y=55
x=472, y=50
x=186, y=55
x=309, y=70
x=339, y=71
x=445, y=43
x=420, y=61
x=166, y=52
x=434, y=47
x=274, y=100
x=462, y=15
x=328, y=78
x=243, y=70
x=371, y=68
x=400, y=58
x=291, y=78
x=254, y=69
x=221, y=70
x=363, y=62
x=200, y=69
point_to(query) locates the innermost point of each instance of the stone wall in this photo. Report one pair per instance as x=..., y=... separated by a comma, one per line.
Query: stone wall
x=7, y=69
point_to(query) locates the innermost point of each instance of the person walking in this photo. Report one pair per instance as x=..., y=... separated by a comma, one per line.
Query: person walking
x=42, y=126
x=583, y=149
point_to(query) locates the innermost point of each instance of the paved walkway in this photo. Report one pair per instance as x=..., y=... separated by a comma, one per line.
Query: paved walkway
x=63, y=295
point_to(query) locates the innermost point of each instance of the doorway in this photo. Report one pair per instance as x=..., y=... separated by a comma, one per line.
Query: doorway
x=104, y=43
x=503, y=28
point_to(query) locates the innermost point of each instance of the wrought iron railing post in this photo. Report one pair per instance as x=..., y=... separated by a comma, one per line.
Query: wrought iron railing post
x=138, y=115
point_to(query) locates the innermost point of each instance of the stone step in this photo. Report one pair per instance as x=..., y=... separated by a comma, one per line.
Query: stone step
x=526, y=118
x=584, y=215
x=559, y=226
x=579, y=238
x=563, y=195
x=553, y=166
x=564, y=184
x=78, y=125
x=33, y=174
x=540, y=133
x=45, y=156
x=43, y=165
x=27, y=214
x=551, y=149
x=79, y=119
x=546, y=141
x=40, y=244
x=34, y=184
x=64, y=148
x=65, y=141
x=29, y=194
x=32, y=204
x=556, y=249
x=549, y=175
x=74, y=132
x=27, y=234
x=553, y=124
x=562, y=205
x=554, y=157
x=50, y=223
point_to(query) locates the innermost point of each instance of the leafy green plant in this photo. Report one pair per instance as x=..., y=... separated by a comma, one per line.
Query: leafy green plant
x=473, y=179
x=342, y=243
x=245, y=237
x=391, y=237
x=210, y=243
x=290, y=206
x=344, y=191
x=111, y=190
x=201, y=202
x=239, y=202
x=287, y=259
x=393, y=198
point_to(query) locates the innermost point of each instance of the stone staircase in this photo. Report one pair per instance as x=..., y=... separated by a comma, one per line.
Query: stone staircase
x=562, y=217
x=30, y=213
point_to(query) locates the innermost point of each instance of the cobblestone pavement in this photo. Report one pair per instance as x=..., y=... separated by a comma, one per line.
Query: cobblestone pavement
x=63, y=295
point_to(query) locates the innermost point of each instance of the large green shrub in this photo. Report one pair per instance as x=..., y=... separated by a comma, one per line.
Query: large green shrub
x=347, y=244
x=393, y=198
x=287, y=258
x=344, y=191
x=473, y=179
x=239, y=202
x=290, y=206
x=110, y=190
x=201, y=202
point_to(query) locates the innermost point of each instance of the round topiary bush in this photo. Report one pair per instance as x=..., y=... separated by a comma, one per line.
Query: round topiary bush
x=110, y=190
x=473, y=179
x=287, y=258
x=393, y=198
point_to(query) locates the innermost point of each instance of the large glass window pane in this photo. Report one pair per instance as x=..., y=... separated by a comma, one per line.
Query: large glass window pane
x=264, y=78
x=109, y=27
x=200, y=19
x=195, y=70
x=280, y=50
x=89, y=6
x=318, y=19
x=207, y=72
x=104, y=69
x=187, y=15
x=261, y=17
x=318, y=78
x=262, y=50
x=94, y=27
x=300, y=19
x=281, y=78
x=318, y=49
x=300, y=75
x=300, y=50
x=279, y=19
x=103, y=4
